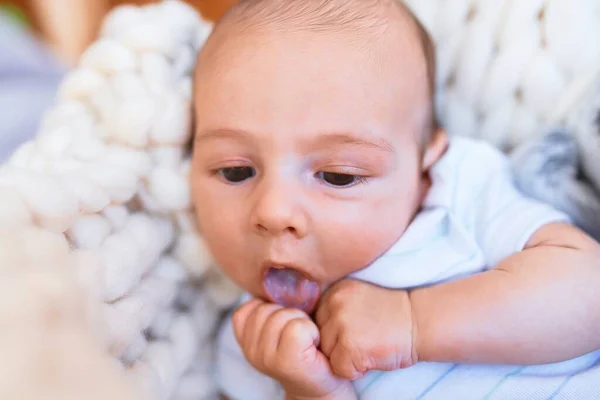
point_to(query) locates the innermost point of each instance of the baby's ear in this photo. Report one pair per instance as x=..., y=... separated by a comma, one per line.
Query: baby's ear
x=435, y=149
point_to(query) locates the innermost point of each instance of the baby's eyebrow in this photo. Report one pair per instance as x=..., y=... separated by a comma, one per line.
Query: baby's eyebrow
x=323, y=140
x=221, y=133
x=345, y=138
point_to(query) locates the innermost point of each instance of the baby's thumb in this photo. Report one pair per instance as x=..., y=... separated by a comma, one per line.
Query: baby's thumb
x=299, y=343
x=299, y=336
x=321, y=364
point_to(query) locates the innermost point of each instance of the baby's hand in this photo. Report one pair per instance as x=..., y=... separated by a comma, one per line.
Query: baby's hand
x=365, y=327
x=282, y=343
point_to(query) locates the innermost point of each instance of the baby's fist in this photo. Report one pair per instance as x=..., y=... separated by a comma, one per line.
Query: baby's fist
x=365, y=327
x=282, y=343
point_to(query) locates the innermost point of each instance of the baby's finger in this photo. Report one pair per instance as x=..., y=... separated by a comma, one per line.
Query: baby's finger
x=329, y=338
x=273, y=330
x=240, y=318
x=322, y=314
x=345, y=365
x=255, y=325
x=297, y=337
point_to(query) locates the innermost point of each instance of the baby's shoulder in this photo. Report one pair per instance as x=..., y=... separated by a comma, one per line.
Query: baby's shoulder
x=466, y=176
x=471, y=156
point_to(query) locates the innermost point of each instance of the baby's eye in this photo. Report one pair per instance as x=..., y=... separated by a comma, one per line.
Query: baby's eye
x=237, y=174
x=338, y=180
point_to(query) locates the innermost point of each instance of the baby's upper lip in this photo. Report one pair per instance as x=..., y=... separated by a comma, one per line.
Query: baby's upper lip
x=278, y=264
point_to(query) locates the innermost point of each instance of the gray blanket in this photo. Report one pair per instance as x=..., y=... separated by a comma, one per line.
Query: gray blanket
x=550, y=169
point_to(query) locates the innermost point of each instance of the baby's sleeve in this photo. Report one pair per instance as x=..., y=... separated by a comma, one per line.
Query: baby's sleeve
x=504, y=218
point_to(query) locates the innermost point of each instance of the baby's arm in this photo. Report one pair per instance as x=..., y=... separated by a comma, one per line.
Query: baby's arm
x=540, y=305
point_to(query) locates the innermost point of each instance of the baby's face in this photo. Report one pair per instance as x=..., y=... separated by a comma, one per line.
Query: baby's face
x=306, y=157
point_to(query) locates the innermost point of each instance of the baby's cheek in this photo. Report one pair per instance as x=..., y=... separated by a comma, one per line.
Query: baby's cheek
x=354, y=243
x=228, y=256
x=217, y=230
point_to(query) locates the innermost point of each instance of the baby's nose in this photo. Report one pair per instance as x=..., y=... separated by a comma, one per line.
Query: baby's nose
x=278, y=208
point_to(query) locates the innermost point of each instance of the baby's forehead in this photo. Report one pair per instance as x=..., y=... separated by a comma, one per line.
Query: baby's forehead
x=376, y=26
x=384, y=31
x=379, y=38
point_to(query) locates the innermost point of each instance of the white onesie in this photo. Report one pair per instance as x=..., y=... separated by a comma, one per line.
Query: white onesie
x=472, y=218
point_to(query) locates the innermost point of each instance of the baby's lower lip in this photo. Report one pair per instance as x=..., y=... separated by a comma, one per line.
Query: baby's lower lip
x=290, y=288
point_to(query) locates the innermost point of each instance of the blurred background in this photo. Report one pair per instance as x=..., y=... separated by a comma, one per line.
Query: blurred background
x=39, y=41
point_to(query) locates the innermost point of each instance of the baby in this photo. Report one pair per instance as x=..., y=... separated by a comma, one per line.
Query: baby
x=368, y=241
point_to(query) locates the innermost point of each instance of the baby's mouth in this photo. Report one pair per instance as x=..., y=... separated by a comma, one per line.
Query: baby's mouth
x=290, y=288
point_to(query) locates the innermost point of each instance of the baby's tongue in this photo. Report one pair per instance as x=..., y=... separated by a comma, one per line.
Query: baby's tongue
x=290, y=288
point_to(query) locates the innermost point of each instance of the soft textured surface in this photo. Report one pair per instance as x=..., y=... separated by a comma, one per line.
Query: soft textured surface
x=508, y=68
x=99, y=200
x=106, y=177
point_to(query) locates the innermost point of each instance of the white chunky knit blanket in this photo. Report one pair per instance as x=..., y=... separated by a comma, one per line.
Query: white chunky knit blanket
x=99, y=199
